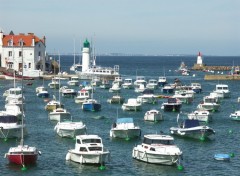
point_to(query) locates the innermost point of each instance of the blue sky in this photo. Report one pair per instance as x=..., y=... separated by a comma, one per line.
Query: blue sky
x=153, y=27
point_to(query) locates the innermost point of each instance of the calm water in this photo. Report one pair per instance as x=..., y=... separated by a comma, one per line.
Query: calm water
x=197, y=155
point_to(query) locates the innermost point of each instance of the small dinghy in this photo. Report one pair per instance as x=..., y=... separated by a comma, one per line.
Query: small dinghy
x=222, y=157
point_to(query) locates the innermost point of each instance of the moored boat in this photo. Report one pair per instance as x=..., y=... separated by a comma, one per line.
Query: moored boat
x=88, y=149
x=157, y=149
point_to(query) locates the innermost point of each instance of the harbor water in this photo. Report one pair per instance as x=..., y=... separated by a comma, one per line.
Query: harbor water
x=198, y=156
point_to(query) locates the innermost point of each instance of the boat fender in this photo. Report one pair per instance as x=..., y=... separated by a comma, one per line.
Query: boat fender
x=40, y=153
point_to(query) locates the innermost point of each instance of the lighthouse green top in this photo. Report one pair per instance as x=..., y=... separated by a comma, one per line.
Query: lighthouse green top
x=86, y=44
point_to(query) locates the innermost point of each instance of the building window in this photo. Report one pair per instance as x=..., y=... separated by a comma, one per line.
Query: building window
x=29, y=65
x=20, y=53
x=9, y=53
x=39, y=53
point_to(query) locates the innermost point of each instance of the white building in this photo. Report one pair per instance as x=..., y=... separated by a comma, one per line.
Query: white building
x=27, y=47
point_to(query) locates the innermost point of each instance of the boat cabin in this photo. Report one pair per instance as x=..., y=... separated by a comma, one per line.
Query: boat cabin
x=87, y=143
x=190, y=123
x=158, y=139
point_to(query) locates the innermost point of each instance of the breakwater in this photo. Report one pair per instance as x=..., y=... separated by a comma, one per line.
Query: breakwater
x=214, y=68
x=221, y=77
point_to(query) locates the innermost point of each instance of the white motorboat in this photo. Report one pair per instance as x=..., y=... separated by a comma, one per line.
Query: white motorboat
x=10, y=126
x=68, y=92
x=152, y=84
x=201, y=115
x=132, y=105
x=183, y=97
x=60, y=115
x=42, y=92
x=54, y=84
x=147, y=98
x=153, y=115
x=74, y=81
x=139, y=88
x=82, y=96
x=115, y=88
x=235, y=115
x=172, y=104
x=191, y=128
x=222, y=90
x=209, y=104
x=196, y=87
x=88, y=149
x=157, y=149
x=168, y=89
x=116, y=99
x=140, y=80
x=125, y=128
x=118, y=80
x=70, y=129
x=14, y=110
x=128, y=83
x=162, y=80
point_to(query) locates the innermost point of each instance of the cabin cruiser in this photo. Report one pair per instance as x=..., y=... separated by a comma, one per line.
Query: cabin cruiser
x=68, y=92
x=152, y=84
x=88, y=149
x=209, y=104
x=192, y=128
x=172, y=105
x=201, y=115
x=42, y=92
x=139, y=88
x=128, y=83
x=91, y=105
x=153, y=115
x=53, y=104
x=125, y=128
x=59, y=114
x=74, y=81
x=183, y=97
x=196, y=87
x=157, y=149
x=222, y=90
x=168, y=89
x=162, y=80
x=82, y=96
x=132, y=105
x=140, y=80
x=70, y=129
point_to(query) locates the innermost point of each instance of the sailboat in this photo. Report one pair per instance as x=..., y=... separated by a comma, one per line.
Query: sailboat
x=22, y=154
x=59, y=114
x=91, y=104
x=75, y=66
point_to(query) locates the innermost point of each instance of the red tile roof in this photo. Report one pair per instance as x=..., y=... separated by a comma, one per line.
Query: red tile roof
x=27, y=39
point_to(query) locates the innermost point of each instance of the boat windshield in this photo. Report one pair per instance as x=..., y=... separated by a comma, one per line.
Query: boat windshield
x=158, y=141
x=86, y=141
x=8, y=119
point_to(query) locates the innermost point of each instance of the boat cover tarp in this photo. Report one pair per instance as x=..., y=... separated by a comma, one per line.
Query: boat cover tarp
x=191, y=123
x=8, y=119
x=125, y=120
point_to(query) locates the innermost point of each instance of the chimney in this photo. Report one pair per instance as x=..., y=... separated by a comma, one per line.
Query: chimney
x=33, y=41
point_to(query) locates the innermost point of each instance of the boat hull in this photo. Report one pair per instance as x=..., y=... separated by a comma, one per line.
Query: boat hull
x=154, y=158
x=22, y=158
x=153, y=117
x=172, y=108
x=194, y=133
x=59, y=116
x=91, y=106
x=125, y=133
x=12, y=132
x=88, y=158
x=70, y=132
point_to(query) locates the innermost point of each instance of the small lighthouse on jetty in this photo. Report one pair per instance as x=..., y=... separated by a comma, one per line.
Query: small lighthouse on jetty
x=199, y=59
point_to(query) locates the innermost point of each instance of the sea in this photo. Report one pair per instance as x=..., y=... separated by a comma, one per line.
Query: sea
x=198, y=156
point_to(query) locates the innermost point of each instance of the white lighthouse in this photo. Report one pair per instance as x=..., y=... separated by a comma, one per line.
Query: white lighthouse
x=199, y=59
x=86, y=54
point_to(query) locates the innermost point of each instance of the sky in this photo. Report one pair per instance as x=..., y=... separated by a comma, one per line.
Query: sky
x=152, y=27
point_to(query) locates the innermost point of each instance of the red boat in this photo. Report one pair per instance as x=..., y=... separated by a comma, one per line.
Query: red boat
x=22, y=155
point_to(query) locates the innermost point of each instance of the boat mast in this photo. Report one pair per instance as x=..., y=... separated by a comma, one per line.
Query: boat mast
x=59, y=97
x=74, y=51
x=22, y=141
